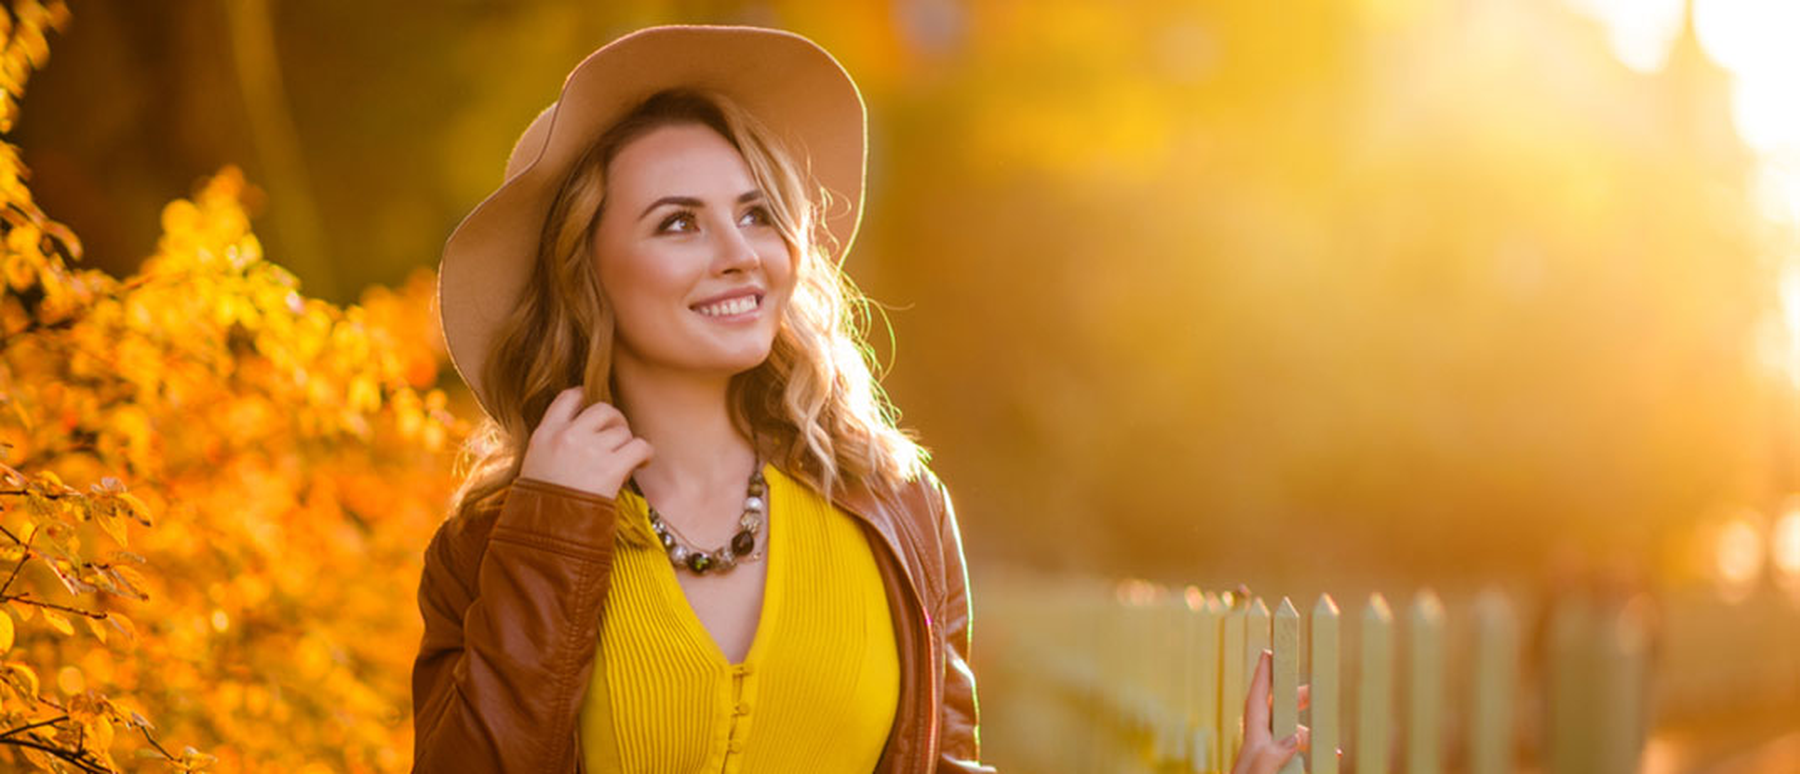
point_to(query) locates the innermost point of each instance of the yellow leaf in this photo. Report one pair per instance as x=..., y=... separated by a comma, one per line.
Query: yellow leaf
x=139, y=510
x=101, y=729
x=25, y=610
x=123, y=624
x=58, y=622
x=93, y=625
x=6, y=632
x=25, y=673
x=111, y=526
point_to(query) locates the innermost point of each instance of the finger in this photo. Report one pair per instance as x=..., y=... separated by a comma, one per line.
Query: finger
x=562, y=408
x=1304, y=735
x=636, y=452
x=612, y=439
x=1256, y=705
x=1271, y=756
x=598, y=417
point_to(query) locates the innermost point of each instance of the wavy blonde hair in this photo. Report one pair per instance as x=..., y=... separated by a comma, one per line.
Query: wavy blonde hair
x=814, y=403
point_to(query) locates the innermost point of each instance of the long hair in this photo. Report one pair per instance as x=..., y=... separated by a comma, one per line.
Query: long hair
x=814, y=402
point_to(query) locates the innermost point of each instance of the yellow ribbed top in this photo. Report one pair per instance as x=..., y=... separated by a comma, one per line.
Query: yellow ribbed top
x=817, y=690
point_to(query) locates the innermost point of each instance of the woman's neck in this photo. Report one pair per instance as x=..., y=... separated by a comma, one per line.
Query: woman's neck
x=695, y=447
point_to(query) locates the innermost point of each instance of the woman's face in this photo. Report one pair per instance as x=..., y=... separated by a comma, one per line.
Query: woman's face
x=688, y=255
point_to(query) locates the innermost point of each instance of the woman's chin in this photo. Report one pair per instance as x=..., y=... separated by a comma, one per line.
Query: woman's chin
x=738, y=362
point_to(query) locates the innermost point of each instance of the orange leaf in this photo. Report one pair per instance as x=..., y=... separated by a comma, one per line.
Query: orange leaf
x=111, y=525
x=6, y=632
x=139, y=510
x=101, y=729
x=58, y=622
x=24, y=675
x=123, y=624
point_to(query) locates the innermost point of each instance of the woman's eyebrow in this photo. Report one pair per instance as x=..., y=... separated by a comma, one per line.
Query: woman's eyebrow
x=689, y=201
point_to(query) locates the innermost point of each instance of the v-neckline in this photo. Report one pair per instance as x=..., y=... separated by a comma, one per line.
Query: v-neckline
x=773, y=573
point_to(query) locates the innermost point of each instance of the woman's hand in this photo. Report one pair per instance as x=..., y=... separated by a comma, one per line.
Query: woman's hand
x=591, y=449
x=1261, y=753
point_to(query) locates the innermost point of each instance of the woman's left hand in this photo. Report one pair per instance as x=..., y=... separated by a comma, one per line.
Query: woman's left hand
x=1262, y=753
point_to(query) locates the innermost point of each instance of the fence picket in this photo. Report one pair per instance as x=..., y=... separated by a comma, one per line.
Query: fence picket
x=1285, y=688
x=1496, y=678
x=1203, y=686
x=1256, y=635
x=1375, y=697
x=1624, y=687
x=1325, y=683
x=1232, y=681
x=1572, y=700
x=1425, y=685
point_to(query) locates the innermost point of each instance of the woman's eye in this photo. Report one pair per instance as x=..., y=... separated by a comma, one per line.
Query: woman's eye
x=680, y=221
x=756, y=216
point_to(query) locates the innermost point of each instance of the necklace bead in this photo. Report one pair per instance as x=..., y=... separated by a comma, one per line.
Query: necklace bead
x=723, y=559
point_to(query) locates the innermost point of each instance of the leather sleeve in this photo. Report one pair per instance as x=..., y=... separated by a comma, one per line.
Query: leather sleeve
x=512, y=603
x=959, y=748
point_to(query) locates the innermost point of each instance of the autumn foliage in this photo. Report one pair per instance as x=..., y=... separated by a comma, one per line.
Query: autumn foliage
x=214, y=494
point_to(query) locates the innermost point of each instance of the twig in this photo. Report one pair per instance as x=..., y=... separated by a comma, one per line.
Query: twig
x=79, y=759
x=28, y=727
x=153, y=743
x=52, y=605
x=45, y=495
x=22, y=560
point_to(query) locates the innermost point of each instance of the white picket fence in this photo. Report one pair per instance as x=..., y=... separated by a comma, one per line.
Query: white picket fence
x=1134, y=677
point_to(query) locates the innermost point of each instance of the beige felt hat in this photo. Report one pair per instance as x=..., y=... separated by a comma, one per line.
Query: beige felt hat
x=794, y=87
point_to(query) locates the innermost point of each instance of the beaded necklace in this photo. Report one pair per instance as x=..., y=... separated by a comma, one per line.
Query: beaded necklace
x=741, y=548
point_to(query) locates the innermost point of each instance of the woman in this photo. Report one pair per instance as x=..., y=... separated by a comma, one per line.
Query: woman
x=694, y=539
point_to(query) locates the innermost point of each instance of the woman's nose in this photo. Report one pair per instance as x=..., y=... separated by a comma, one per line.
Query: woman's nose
x=735, y=251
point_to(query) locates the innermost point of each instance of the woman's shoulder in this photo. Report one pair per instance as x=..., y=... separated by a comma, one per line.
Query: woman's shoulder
x=920, y=496
x=471, y=517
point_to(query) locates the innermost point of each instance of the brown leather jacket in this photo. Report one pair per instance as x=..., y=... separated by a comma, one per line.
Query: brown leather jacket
x=513, y=598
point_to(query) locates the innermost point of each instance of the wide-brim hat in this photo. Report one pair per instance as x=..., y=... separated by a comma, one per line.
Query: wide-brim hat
x=791, y=85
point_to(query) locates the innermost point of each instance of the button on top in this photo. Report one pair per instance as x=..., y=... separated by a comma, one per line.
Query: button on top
x=743, y=708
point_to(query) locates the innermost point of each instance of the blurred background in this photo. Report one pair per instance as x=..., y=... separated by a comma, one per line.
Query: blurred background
x=1321, y=294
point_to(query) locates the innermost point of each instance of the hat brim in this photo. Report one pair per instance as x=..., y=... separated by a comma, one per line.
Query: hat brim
x=790, y=84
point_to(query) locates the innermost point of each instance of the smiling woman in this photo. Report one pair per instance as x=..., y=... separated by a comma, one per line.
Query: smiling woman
x=708, y=272
x=693, y=538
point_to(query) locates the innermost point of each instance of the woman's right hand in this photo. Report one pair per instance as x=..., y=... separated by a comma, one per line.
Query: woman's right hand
x=1262, y=753
x=590, y=449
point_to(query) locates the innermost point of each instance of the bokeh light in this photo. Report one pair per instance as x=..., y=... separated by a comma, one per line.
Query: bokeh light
x=1784, y=548
x=1738, y=556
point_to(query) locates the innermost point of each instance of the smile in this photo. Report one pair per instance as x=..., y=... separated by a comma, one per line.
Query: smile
x=731, y=306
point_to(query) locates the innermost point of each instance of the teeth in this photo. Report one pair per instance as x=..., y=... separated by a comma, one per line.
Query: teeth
x=738, y=305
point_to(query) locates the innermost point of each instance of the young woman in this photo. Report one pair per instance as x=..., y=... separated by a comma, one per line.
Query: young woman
x=694, y=539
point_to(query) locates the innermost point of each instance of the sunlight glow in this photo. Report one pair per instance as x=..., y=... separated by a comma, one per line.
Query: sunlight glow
x=1738, y=556
x=1784, y=545
x=1753, y=39
x=1639, y=31
x=1750, y=39
x=1788, y=293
